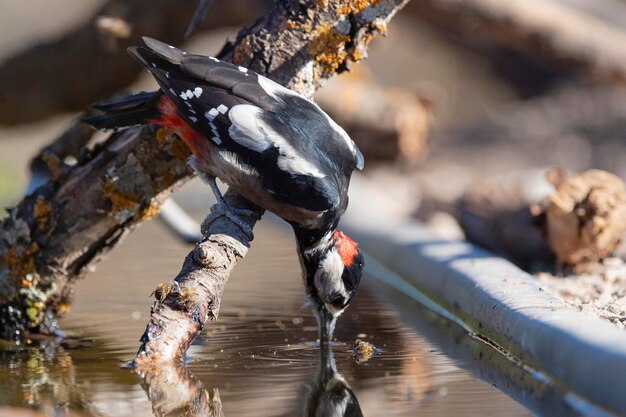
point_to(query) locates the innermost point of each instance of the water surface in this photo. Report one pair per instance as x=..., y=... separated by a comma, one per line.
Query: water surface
x=258, y=359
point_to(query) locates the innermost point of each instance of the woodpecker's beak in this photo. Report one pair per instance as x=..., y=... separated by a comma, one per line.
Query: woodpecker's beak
x=326, y=321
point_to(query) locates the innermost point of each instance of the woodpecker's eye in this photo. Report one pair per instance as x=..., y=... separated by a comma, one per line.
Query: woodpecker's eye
x=338, y=300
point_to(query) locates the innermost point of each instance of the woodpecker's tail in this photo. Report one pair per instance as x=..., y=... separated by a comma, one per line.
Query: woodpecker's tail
x=129, y=110
x=139, y=108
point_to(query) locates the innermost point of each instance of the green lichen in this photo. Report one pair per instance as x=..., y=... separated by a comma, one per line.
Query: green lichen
x=35, y=301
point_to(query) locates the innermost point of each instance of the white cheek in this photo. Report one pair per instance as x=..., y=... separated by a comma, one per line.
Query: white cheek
x=328, y=277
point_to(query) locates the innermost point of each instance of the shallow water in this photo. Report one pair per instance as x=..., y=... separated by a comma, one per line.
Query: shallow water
x=259, y=358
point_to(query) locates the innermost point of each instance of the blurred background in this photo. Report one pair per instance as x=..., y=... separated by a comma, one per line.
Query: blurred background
x=459, y=111
x=461, y=92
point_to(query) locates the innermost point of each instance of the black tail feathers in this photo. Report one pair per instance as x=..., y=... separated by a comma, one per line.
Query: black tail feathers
x=136, y=109
x=129, y=110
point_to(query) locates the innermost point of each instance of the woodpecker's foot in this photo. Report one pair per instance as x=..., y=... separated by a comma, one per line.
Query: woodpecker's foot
x=222, y=209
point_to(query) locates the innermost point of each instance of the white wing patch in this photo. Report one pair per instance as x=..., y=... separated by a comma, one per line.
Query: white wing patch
x=216, y=136
x=210, y=115
x=273, y=89
x=249, y=130
x=185, y=95
x=245, y=129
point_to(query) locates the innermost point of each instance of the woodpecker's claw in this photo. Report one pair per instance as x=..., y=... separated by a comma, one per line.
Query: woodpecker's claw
x=222, y=209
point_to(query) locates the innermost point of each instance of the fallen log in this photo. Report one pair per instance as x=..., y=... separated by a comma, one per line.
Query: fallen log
x=581, y=222
x=500, y=219
x=574, y=40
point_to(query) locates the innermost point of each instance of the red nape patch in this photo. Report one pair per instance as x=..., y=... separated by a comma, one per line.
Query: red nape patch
x=170, y=119
x=346, y=247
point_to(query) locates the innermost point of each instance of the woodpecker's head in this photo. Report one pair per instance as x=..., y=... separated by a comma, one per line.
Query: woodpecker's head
x=333, y=267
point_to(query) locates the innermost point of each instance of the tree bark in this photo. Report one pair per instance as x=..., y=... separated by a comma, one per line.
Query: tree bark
x=59, y=232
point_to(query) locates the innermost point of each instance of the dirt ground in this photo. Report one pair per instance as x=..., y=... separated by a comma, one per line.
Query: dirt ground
x=601, y=292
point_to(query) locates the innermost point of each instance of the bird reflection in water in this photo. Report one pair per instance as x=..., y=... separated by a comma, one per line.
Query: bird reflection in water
x=330, y=394
x=173, y=390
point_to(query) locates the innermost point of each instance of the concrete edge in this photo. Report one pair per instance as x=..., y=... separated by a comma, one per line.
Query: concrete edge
x=496, y=300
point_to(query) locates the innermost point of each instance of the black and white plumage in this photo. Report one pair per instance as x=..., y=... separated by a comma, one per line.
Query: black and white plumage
x=277, y=148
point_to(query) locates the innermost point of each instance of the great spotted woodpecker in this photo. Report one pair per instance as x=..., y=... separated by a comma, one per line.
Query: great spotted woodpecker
x=275, y=147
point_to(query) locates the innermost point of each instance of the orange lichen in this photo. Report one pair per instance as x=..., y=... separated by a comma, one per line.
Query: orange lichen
x=162, y=135
x=242, y=52
x=322, y=4
x=178, y=149
x=53, y=163
x=380, y=25
x=357, y=55
x=289, y=24
x=328, y=47
x=120, y=201
x=148, y=212
x=169, y=139
x=41, y=210
x=355, y=6
x=164, y=180
x=62, y=308
x=21, y=263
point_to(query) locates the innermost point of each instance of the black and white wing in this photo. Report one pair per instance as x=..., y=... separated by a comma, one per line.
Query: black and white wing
x=302, y=157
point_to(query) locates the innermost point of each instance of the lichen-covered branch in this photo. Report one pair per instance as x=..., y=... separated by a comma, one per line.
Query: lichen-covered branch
x=59, y=232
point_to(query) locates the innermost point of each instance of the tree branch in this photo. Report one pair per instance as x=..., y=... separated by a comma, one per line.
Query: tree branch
x=91, y=62
x=56, y=234
x=553, y=33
